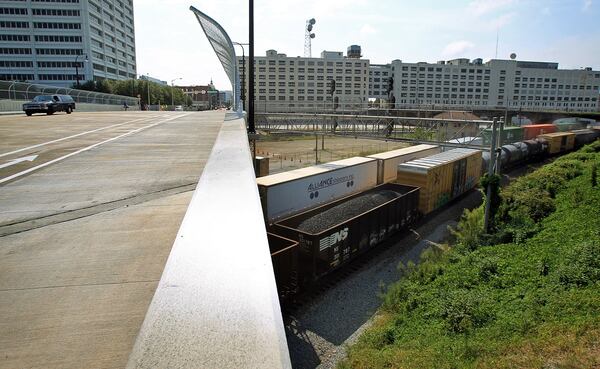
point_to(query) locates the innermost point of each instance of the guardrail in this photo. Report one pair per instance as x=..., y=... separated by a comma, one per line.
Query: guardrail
x=216, y=305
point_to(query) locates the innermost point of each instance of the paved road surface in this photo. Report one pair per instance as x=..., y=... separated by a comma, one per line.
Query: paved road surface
x=89, y=206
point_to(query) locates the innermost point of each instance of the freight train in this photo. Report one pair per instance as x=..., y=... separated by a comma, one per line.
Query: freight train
x=322, y=217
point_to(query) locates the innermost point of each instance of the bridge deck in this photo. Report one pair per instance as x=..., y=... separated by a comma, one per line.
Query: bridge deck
x=84, y=239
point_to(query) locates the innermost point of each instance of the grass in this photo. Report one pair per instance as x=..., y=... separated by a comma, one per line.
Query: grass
x=527, y=296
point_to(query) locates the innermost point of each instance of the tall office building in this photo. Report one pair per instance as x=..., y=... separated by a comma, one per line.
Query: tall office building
x=56, y=42
x=285, y=83
x=461, y=83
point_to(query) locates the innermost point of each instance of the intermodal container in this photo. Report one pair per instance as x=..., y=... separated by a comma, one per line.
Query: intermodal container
x=442, y=177
x=288, y=193
x=565, y=126
x=509, y=135
x=559, y=142
x=325, y=250
x=387, y=162
x=532, y=131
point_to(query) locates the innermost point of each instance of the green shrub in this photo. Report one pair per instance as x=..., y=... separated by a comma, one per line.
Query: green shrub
x=464, y=310
x=469, y=230
x=581, y=266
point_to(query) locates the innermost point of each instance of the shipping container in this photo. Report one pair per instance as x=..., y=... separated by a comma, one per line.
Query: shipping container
x=442, y=177
x=465, y=141
x=333, y=234
x=559, y=142
x=261, y=166
x=532, y=131
x=387, y=162
x=509, y=135
x=288, y=193
x=585, y=136
x=284, y=256
x=569, y=125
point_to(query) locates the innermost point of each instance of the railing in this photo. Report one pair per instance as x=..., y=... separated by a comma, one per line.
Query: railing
x=348, y=106
x=27, y=91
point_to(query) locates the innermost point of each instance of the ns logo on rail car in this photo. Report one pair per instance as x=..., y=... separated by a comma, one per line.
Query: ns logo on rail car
x=331, y=240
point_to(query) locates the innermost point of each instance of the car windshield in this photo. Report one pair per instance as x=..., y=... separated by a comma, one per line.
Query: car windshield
x=42, y=98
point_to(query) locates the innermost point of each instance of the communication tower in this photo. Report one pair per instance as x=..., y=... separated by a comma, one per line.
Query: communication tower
x=308, y=36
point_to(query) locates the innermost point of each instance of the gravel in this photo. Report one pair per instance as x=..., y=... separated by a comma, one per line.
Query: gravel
x=345, y=211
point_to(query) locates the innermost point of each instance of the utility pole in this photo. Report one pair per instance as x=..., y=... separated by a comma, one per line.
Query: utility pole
x=316, y=148
x=488, y=203
x=172, y=88
x=251, y=128
x=499, y=145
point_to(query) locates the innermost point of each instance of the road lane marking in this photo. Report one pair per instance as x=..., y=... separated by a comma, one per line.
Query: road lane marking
x=27, y=171
x=18, y=160
x=76, y=135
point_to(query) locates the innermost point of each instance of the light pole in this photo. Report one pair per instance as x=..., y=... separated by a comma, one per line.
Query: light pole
x=173, y=87
x=77, y=68
x=148, y=82
x=243, y=92
x=251, y=62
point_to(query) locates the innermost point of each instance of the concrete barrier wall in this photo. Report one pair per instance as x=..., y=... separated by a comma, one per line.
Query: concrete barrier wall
x=17, y=106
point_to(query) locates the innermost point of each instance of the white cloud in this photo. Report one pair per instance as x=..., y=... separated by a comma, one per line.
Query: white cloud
x=482, y=7
x=366, y=30
x=457, y=48
x=587, y=4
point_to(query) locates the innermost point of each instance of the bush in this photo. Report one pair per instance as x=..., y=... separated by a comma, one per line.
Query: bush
x=581, y=266
x=464, y=310
x=469, y=230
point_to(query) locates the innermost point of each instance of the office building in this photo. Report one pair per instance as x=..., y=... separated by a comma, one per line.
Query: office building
x=57, y=42
x=461, y=83
x=285, y=83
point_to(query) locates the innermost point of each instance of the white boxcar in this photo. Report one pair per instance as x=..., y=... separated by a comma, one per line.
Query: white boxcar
x=288, y=193
x=387, y=162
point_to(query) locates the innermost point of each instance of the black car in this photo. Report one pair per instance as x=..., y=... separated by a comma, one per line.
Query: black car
x=50, y=104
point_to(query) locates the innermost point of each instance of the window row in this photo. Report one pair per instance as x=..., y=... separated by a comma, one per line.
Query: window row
x=18, y=38
x=57, y=12
x=16, y=64
x=14, y=11
x=55, y=25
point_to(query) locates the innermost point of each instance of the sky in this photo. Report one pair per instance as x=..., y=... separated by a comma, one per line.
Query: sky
x=171, y=44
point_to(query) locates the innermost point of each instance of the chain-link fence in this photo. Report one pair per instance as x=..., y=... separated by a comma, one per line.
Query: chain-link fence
x=27, y=91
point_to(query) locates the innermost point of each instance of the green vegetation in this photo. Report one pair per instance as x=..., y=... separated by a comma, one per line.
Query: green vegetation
x=134, y=87
x=525, y=296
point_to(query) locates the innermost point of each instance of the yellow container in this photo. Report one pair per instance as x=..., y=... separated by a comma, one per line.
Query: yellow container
x=559, y=142
x=441, y=177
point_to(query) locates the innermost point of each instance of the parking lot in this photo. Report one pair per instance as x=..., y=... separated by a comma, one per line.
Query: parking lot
x=90, y=204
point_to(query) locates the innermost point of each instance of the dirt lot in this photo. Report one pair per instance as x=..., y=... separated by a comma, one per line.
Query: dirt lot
x=292, y=152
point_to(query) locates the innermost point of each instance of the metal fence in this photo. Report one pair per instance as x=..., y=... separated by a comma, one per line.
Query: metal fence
x=27, y=91
x=223, y=47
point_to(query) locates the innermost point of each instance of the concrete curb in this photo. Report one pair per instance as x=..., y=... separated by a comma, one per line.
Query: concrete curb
x=11, y=112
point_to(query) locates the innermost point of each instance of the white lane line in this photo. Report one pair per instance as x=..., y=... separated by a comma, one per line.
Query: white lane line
x=76, y=135
x=17, y=175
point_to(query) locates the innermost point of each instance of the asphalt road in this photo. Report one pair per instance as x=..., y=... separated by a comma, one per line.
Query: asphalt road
x=89, y=206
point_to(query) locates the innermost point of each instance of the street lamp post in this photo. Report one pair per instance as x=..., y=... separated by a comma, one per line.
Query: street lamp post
x=172, y=88
x=251, y=75
x=243, y=92
x=77, y=68
x=148, y=83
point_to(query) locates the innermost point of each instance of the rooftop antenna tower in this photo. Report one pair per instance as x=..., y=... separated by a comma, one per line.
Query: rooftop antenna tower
x=308, y=36
x=497, y=39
